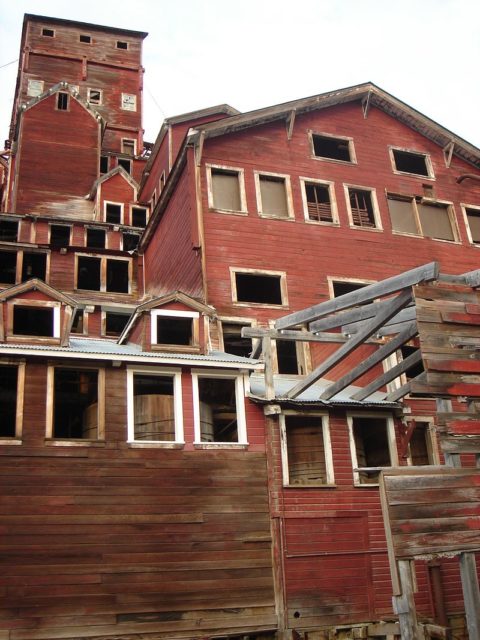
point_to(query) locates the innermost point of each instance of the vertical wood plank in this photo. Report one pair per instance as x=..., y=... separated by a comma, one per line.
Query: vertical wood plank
x=404, y=605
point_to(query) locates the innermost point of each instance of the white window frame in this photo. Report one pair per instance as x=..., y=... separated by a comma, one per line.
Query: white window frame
x=17, y=438
x=134, y=146
x=327, y=445
x=176, y=375
x=89, y=100
x=130, y=107
x=413, y=152
x=376, y=211
x=138, y=206
x=103, y=272
x=37, y=304
x=240, y=407
x=426, y=200
x=332, y=279
x=241, y=188
x=122, y=211
x=464, y=208
x=322, y=134
x=333, y=201
x=35, y=87
x=392, y=445
x=100, y=403
x=259, y=272
x=171, y=313
x=288, y=195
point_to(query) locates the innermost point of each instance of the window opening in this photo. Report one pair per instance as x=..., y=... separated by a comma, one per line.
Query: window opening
x=287, y=361
x=273, y=196
x=473, y=217
x=402, y=215
x=33, y=321
x=94, y=96
x=361, y=206
x=34, y=266
x=257, y=288
x=96, y=238
x=319, y=205
x=8, y=230
x=8, y=267
x=113, y=213
x=420, y=449
x=371, y=446
x=49, y=33
x=305, y=450
x=233, y=341
x=128, y=146
x=85, y=38
x=122, y=45
x=117, y=276
x=218, y=412
x=408, y=162
x=88, y=273
x=139, y=217
x=416, y=369
x=130, y=241
x=340, y=288
x=115, y=323
x=331, y=148
x=126, y=164
x=154, y=408
x=103, y=164
x=59, y=235
x=8, y=401
x=226, y=190
x=435, y=221
x=78, y=321
x=62, y=101
x=75, y=404
x=174, y=330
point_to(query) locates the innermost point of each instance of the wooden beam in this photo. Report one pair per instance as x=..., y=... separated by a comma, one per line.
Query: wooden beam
x=388, y=376
x=404, y=316
x=290, y=123
x=399, y=393
x=459, y=444
x=296, y=336
x=471, y=594
x=369, y=293
x=343, y=318
x=379, y=355
x=395, y=305
x=404, y=604
x=267, y=354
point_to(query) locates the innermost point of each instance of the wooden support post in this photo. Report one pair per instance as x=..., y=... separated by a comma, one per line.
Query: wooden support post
x=404, y=604
x=267, y=354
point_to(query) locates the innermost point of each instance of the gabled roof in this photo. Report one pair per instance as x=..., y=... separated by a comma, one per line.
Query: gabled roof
x=37, y=285
x=106, y=176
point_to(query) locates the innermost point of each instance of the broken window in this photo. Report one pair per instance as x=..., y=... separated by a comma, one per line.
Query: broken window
x=86, y=39
x=78, y=323
x=34, y=266
x=258, y=288
x=76, y=404
x=94, y=96
x=129, y=102
x=307, y=460
x=125, y=164
x=156, y=414
x=122, y=45
x=411, y=162
x=128, y=146
x=34, y=321
x=49, y=33
x=272, y=196
x=103, y=164
x=8, y=267
x=35, y=88
x=473, y=219
x=219, y=409
x=287, y=361
x=8, y=230
x=88, y=273
x=115, y=322
x=225, y=191
x=96, y=238
x=370, y=439
x=130, y=241
x=233, y=341
x=59, y=235
x=113, y=212
x=8, y=400
x=420, y=446
x=332, y=148
x=318, y=203
x=139, y=217
x=62, y=101
x=362, y=208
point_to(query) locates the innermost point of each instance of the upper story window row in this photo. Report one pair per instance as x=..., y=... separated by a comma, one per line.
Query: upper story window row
x=84, y=38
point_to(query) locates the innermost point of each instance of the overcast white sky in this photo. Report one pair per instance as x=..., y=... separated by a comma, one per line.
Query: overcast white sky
x=256, y=53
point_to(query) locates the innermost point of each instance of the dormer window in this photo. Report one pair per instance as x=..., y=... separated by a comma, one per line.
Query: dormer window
x=35, y=319
x=177, y=329
x=62, y=101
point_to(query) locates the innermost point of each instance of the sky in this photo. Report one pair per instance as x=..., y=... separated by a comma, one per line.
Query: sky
x=257, y=53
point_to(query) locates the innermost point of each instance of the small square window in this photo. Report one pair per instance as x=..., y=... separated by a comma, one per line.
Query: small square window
x=219, y=411
x=96, y=238
x=94, y=96
x=125, y=164
x=34, y=88
x=115, y=322
x=8, y=230
x=273, y=196
x=258, y=288
x=35, y=321
x=86, y=39
x=62, y=101
x=130, y=241
x=332, y=148
x=113, y=212
x=362, y=208
x=411, y=162
x=226, y=190
x=34, y=265
x=372, y=445
x=77, y=408
x=59, y=235
x=307, y=459
x=233, y=341
x=139, y=217
x=121, y=44
x=129, y=146
x=129, y=102
x=175, y=328
x=48, y=33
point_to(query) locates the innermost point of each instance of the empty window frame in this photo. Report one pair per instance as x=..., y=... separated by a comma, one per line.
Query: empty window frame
x=103, y=274
x=274, y=195
x=34, y=87
x=34, y=265
x=9, y=230
x=30, y=318
x=75, y=403
x=339, y=287
x=138, y=216
x=114, y=322
x=306, y=450
x=471, y=215
x=232, y=338
x=319, y=203
x=113, y=212
x=250, y=286
x=328, y=147
x=121, y=44
x=85, y=38
x=104, y=162
x=60, y=235
x=62, y=101
x=129, y=102
x=130, y=241
x=219, y=408
x=12, y=379
x=422, y=217
x=287, y=357
x=8, y=267
x=95, y=238
x=20, y=266
x=362, y=207
x=94, y=96
x=179, y=329
x=79, y=324
x=48, y=33
x=125, y=164
x=129, y=146
x=372, y=446
x=411, y=162
x=226, y=189
x=155, y=406
x=422, y=446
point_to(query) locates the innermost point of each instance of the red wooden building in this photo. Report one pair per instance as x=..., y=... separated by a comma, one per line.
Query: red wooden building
x=153, y=482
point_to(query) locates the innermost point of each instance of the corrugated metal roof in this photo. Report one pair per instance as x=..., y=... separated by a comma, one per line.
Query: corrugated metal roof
x=283, y=384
